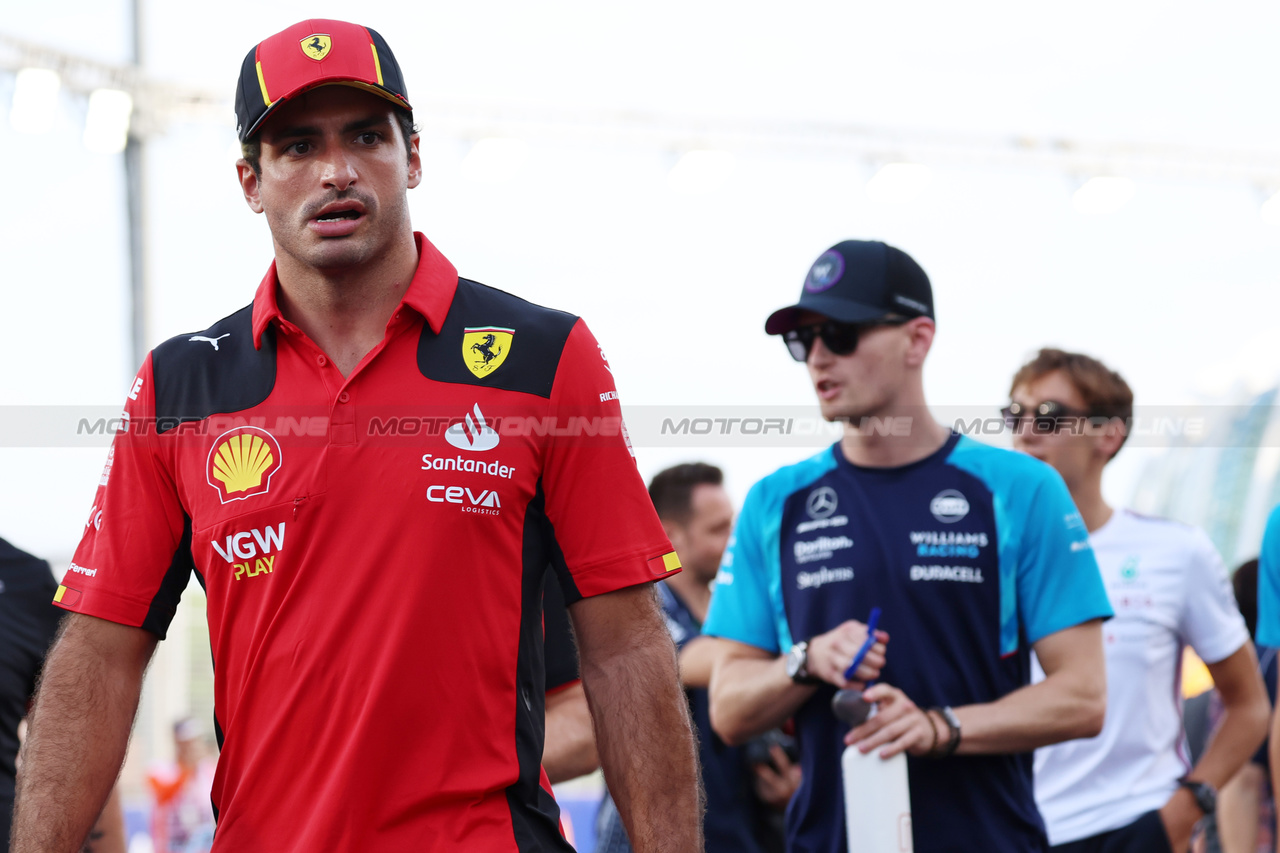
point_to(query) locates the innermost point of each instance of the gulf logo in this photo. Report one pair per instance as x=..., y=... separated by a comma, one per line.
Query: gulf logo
x=242, y=462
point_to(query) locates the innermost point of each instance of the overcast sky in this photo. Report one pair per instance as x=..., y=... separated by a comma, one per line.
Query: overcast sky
x=1177, y=290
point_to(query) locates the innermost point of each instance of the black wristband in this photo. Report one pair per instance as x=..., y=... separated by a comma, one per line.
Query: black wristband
x=953, y=728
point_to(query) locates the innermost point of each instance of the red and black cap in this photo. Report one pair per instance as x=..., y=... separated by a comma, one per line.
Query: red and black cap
x=314, y=53
x=859, y=281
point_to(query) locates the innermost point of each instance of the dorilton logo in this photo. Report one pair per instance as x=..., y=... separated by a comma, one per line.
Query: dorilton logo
x=242, y=462
x=472, y=434
x=949, y=506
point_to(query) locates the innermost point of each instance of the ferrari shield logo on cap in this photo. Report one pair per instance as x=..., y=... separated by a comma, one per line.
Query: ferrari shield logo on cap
x=316, y=46
x=484, y=348
x=241, y=463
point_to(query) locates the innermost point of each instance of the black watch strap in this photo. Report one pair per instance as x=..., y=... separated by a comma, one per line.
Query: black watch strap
x=1205, y=794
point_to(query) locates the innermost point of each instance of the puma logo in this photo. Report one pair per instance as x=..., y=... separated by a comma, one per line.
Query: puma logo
x=213, y=341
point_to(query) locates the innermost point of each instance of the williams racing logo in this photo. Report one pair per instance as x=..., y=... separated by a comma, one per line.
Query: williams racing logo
x=484, y=348
x=242, y=462
x=316, y=46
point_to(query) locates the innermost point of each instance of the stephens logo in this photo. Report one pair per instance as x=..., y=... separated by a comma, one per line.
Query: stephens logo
x=470, y=434
x=949, y=506
x=242, y=462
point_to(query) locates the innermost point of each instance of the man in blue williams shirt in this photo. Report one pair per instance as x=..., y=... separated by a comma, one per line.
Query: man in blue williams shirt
x=976, y=556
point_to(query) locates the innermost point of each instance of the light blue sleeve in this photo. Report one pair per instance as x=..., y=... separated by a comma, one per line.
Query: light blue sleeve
x=1049, y=578
x=1269, y=583
x=742, y=608
x=1059, y=583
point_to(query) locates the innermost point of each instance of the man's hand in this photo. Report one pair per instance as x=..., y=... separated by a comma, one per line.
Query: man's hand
x=777, y=781
x=899, y=725
x=831, y=653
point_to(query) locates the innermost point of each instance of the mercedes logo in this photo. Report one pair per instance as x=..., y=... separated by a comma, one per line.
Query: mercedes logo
x=821, y=503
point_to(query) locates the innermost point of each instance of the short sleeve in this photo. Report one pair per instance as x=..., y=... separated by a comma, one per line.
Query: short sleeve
x=741, y=607
x=1059, y=584
x=133, y=561
x=606, y=533
x=1269, y=583
x=1211, y=620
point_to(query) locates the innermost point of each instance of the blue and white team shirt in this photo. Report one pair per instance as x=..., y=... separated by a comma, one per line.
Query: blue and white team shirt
x=1169, y=588
x=974, y=554
x=1269, y=583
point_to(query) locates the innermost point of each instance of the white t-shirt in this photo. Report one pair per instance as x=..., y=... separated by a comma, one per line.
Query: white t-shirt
x=1168, y=588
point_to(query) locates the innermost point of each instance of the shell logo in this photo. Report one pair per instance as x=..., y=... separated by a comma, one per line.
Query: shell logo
x=241, y=463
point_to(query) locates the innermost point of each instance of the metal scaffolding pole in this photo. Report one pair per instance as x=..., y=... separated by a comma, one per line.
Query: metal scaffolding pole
x=135, y=195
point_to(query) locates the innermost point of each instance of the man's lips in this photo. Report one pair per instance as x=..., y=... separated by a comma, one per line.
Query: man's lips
x=337, y=219
x=827, y=389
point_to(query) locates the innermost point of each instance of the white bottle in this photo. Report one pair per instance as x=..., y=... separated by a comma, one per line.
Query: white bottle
x=877, y=803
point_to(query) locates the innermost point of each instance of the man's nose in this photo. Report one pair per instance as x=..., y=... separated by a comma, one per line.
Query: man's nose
x=339, y=171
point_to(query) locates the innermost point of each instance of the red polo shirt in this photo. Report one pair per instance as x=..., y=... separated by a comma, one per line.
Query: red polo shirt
x=373, y=549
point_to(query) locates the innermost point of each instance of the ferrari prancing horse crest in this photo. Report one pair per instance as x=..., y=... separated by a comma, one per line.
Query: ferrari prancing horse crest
x=316, y=46
x=484, y=348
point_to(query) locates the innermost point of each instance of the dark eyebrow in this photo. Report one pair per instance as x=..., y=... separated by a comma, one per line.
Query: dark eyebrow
x=302, y=130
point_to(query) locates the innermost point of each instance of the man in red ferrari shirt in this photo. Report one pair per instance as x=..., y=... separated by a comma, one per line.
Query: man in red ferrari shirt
x=369, y=469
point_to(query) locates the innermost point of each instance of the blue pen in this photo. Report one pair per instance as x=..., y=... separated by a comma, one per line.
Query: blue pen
x=872, y=621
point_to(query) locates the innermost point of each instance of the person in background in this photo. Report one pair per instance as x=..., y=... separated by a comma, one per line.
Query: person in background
x=1246, y=806
x=1130, y=788
x=182, y=818
x=974, y=554
x=746, y=788
x=28, y=624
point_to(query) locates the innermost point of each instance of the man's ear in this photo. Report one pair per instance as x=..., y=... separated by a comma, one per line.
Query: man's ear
x=1113, y=435
x=415, y=162
x=250, y=185
x=921, y=331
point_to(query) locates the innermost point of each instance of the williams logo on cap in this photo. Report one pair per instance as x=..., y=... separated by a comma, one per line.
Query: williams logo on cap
x=825, y=272
x=316, y=46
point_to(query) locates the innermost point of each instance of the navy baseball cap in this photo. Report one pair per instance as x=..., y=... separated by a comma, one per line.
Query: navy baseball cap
x=315, y=52
x=859, y=281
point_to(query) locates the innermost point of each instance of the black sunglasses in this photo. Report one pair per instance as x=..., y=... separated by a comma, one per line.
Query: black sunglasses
x=1047, y=417
x=840, y=338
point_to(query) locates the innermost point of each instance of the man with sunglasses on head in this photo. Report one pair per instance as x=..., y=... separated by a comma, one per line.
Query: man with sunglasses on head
x=974, y=554
x=1131, y=787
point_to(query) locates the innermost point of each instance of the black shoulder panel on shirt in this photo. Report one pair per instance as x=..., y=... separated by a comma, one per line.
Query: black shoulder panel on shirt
x=213, y=372
x=534, y=350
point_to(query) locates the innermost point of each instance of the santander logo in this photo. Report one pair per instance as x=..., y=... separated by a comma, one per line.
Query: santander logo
x=472, y=434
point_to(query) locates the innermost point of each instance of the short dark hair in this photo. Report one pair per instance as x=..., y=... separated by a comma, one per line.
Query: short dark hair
x=1105, y=392
x=251, y=148
x=671, y=490
x=1245, y=583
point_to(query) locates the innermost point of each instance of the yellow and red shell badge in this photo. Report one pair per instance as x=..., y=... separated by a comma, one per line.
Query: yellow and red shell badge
x=241, y=463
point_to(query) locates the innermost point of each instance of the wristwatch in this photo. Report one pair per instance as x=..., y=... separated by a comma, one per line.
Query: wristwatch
x=1205, y=794
x=798, y=664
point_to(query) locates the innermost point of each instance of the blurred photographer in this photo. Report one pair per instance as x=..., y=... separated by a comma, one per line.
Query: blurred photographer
x=748, y=787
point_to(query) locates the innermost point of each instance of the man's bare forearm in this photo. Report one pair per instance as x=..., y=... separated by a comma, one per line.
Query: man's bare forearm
x=641, y=717
x=752, y=694
x=79, y=729
x=570, y=747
